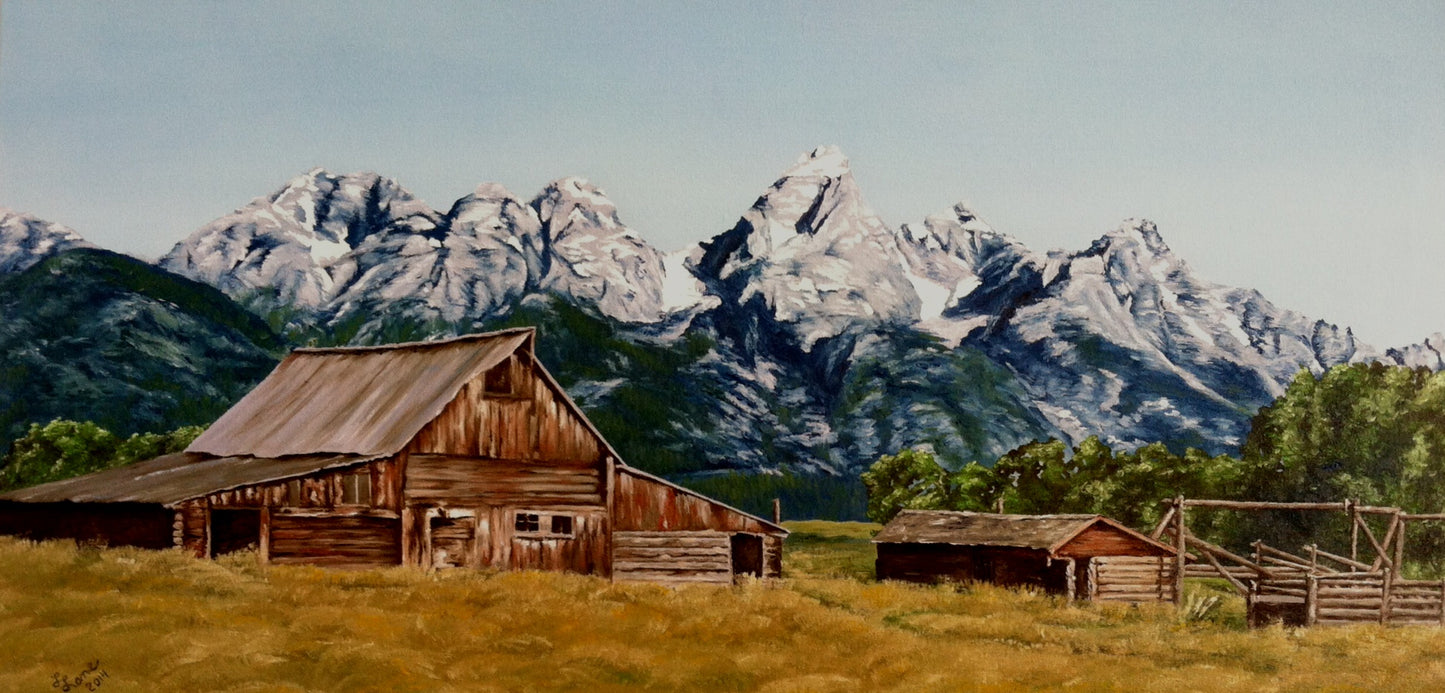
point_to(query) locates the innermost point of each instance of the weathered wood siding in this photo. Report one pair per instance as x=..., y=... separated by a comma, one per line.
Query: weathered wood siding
x=500, y=546
x=672, y=557
x=529, y=421
x=645, y=505
x=469, y=481
x=321, y=491
x=335, y=539
x=1134, y=578
x=146, y=525
x=1103, y=540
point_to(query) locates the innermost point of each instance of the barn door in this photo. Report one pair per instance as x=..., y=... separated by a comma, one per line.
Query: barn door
x=747, y=554
x=452, y=539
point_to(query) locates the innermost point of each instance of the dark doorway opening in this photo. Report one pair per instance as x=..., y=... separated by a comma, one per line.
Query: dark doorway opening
x=1083, y=578
x=234, y=530
x=451, y=541
x=747, y=550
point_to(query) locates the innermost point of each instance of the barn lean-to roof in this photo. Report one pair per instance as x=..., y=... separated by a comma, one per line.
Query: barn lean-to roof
x=1044, y=532
x=170, y=479
x=354, y=400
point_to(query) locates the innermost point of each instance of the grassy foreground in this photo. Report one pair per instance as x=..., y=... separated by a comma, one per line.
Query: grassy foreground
x=160, y=621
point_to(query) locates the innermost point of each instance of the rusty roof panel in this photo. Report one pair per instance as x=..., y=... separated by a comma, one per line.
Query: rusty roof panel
x=981, y=529
x=1046, y=532
x=356, y=400
x=173, y=478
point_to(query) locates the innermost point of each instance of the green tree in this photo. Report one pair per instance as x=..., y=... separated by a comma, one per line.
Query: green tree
x=63, y=449
x=911, y=479
x=58, y=450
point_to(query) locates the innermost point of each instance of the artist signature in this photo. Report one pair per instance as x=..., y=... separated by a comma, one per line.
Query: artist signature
x=90, y=679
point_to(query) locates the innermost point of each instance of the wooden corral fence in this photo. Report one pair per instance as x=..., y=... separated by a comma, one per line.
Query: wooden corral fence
x=1314, y=587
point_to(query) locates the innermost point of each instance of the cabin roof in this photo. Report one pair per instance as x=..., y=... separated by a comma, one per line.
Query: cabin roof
x=176, y=477
x=354, y=400
x=1046, y=532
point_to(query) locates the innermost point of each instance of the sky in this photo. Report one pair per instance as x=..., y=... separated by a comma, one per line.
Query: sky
x=1294, y=148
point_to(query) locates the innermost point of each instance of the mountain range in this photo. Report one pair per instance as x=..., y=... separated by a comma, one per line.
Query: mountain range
x=810, y=337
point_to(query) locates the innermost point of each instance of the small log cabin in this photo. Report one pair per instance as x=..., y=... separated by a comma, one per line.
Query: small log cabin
x=1079, y=556
x=455, y=453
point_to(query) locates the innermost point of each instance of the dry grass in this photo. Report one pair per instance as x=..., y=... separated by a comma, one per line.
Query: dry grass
x=160, y=621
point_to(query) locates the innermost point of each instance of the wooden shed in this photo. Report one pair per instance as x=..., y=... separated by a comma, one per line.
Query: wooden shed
x=455, y=453
x=1080, y=556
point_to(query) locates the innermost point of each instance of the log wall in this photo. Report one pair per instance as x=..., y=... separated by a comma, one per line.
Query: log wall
x=672, y=557
x=1134, y=578
x=355, y=540
x=468, y=481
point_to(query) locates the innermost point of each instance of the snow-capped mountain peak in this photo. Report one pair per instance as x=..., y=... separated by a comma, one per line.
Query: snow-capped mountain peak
x=811, y=255
x=26, y=240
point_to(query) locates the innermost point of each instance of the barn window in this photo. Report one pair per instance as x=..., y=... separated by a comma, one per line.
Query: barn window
x=528, y=522
x=499, y=380
x=562, y=524
x=356, y=488
x=293, y=493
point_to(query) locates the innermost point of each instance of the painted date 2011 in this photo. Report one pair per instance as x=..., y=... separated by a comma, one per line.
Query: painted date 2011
x=89, y=679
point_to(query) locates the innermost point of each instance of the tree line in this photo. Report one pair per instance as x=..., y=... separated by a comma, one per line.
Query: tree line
x=1370, y=432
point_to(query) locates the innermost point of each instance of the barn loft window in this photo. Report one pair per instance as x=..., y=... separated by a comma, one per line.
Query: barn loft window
x=500, y=380
x=356, y=488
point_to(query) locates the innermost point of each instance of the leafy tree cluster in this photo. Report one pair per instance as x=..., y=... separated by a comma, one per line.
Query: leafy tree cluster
x=62, y=449
x=1369, y=432
x=1049, y=477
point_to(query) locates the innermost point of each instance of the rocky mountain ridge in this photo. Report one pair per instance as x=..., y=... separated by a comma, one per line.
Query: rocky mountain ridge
x=822, y=335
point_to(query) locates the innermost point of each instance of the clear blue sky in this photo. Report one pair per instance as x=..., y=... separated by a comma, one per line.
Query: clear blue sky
x=1297, y=148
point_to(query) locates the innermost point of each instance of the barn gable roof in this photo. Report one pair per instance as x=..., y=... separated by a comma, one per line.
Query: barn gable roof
x=181, y=476
x=354, y=400
x=1045, y=532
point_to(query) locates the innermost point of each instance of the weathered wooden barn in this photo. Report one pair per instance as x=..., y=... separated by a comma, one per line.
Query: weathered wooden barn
x=1080, y=556
x=456, y=453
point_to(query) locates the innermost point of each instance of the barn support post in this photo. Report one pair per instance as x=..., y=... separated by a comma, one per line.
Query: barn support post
x=1179, y=557
x=263, y=542
x=1070, y=580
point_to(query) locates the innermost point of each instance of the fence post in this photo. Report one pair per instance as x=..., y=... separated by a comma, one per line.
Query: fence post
x=1179, y=531
x=1314, y=558
x=1351, y=507
x=1312, y=599
x=1387, y=586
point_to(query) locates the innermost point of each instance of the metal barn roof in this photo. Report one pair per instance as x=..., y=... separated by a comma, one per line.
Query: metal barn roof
x=173, y=478
x=354, y=400
x=1045, y=532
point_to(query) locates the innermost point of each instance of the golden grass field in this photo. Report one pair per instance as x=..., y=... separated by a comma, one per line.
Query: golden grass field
x=158, y=621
